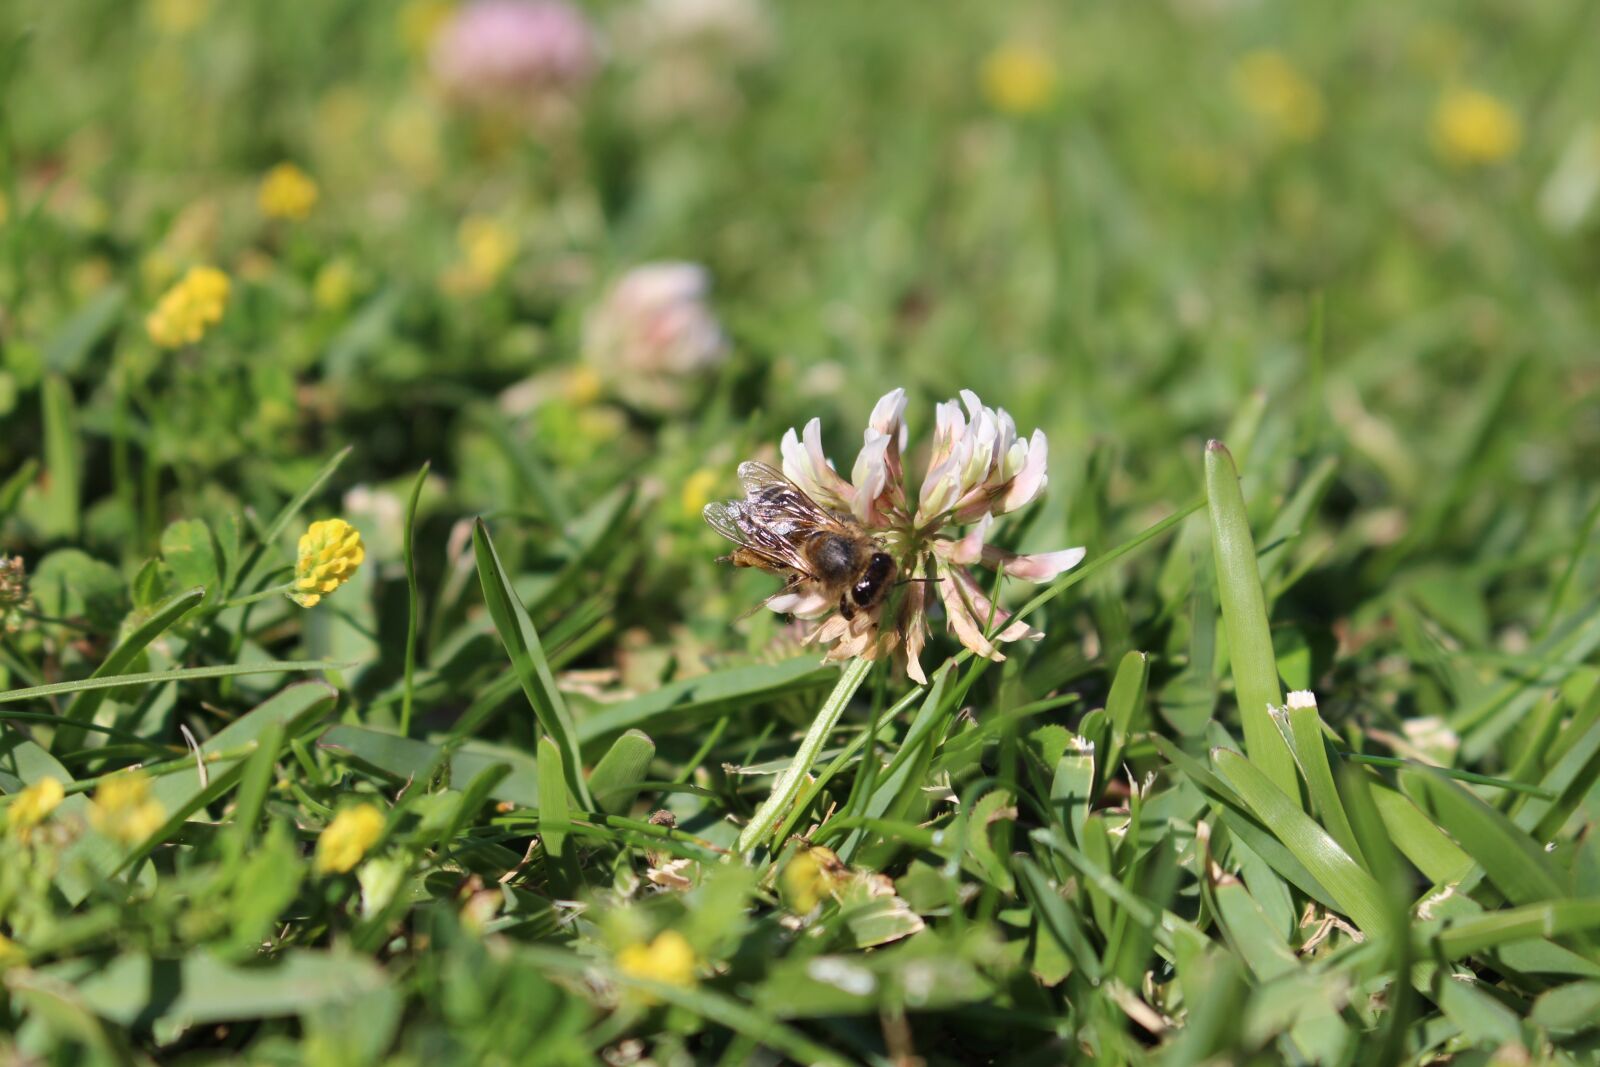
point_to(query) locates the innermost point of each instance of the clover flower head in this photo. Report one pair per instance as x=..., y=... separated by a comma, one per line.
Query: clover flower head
x=669, y=959
x=1472, y=128
x=287, y=192
x=329, y=553
x=514, y=55
x=980, y=467
x=348, y=838
x=33, y=806
x=187, y=310
x=124, y=810
x=1018, y=79
x=653, y=332
x=813, y=875
x=1283, y=98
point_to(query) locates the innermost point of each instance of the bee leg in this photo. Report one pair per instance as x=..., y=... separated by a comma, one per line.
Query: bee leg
x=847, y=609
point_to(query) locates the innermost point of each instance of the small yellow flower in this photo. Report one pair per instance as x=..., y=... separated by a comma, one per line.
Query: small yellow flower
x=582, y=387
x=330, y=552
x=1273, y=88
x=348, y=837
x=123, y=808
x=334, y=285
x=33, y=806
x=287, y=192
x=1019, y=79
x=488, y=246
x=811, y=877
x=179, y=17
x=697, y=490
x=189, y=308
x=669, y=959
x=1472, y=128
x=419, y=23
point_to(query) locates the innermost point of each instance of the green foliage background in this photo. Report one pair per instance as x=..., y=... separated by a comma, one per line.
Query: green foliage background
x=1399, y=352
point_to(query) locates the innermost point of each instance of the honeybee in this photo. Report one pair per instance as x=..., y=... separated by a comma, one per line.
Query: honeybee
x=780, y=529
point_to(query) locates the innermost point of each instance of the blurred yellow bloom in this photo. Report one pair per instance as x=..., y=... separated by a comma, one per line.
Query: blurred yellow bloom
x=1472, y=128
x=1277, y=93
x=33, y=806
x=488, y=246
x=123, y=808
x=329, y=553
x=189, y=308
x=348, y=837
x=1019, y=79
x=698, y=489
x=669, y=959
x=287, y=192
x=420, y=21
x=334, y=285
x=178, y=17
x=811, y=877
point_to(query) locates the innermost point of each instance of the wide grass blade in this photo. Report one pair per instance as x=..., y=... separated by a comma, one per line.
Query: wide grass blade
x=615, y=779
x=1244, y=616
x=1355, y=891
x=1514, y=861
x=183, y=674
x=521, y=641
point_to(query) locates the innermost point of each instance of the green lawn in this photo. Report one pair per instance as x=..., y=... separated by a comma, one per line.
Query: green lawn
x=370, y=690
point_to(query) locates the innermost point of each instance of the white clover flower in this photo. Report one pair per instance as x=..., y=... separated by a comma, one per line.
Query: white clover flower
x=653, y=332
x=979, y=468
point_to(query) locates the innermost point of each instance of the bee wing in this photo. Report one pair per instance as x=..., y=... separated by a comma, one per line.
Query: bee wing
x=776, y=502
x=770, y=548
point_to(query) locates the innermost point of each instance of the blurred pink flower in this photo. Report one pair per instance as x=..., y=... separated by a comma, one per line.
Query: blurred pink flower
x=979, y=468
x=515, y=54
x=653, y=333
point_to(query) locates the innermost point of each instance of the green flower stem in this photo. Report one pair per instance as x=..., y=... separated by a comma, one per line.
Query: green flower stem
x=789, y=782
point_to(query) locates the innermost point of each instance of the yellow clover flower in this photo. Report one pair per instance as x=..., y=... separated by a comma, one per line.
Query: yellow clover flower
x=669, y=959
x=1019, y=79
x=1273, y=88
x=124, y=810
x=11, y=953
x=348, y=838
x=330, y=552
x=1472, y=128
x=33, y=806
x=287, y=192
x=189, y=308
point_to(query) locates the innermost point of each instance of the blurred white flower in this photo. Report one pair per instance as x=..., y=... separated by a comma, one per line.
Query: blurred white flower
x=1569, y=194
x=653, y=333
x=685, y=51
x=516, y=55
x=979, y=468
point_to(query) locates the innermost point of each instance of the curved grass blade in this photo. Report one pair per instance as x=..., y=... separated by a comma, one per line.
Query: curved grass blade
x=184, y=674
x=521, y=641
x=87, y=702
x=1355, y=891
x=1244, y=616
x=413, y=607
x=615, y=779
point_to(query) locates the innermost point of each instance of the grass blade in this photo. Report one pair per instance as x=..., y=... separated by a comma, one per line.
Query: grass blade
x=521, y=641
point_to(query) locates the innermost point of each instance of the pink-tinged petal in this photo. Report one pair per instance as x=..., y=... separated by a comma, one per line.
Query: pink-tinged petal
x=969, y=549
x=802, y=604
x=914, y=625
x=968, y=630
x=805, y=465
x=1030, y=480
x=988, y=614
x=888, y=414
x=871, y=478
x=939, y=490
x=1038, y=567
x=949, y=428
